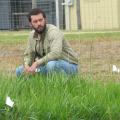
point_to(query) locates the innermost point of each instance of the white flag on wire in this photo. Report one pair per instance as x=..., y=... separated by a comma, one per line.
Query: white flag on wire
x=9, y=102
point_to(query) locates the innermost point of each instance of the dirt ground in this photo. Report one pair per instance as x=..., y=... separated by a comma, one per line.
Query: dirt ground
x=95, y=57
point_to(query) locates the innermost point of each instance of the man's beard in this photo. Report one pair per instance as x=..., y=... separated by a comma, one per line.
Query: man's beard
x=40, y=30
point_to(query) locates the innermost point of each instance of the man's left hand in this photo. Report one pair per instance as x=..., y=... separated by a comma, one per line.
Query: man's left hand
x=33, y=67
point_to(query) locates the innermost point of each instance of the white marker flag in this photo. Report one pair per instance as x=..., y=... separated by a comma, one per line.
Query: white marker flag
x=114, y=69
x=9, y=102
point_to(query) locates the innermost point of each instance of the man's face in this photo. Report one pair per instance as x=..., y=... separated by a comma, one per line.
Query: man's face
x=38, y=22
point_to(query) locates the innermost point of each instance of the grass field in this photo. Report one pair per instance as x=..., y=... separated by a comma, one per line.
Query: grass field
x=22, y=36
x=59, y=98
x=92, y=95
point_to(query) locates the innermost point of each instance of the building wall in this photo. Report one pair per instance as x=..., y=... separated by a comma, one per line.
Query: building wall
x=99, y=14
x=5, y=21
x=94, y=15
x=19, y=10
x=118, y=6
x=13, y=12
x=73, y=16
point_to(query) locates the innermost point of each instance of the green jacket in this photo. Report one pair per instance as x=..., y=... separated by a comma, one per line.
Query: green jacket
x=50, y=45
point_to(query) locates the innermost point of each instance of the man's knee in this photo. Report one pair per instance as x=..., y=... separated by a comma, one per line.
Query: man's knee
x=51, y=65
x=19, y=70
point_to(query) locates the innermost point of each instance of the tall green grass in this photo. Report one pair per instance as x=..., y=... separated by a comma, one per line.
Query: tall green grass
x=59, y=97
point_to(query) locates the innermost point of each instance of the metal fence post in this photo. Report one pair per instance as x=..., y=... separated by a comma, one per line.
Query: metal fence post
x=57, y=14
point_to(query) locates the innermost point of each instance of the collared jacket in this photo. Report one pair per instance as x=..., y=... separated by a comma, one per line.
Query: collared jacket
x=48, y=46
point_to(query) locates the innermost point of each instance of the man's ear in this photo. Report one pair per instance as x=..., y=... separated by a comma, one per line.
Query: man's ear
x=30, y=24
x=46, y=20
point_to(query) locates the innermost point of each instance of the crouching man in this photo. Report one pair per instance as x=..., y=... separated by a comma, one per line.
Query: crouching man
x=47, y=50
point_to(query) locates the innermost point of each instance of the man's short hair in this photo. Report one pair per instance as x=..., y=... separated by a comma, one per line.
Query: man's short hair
x=35, y=11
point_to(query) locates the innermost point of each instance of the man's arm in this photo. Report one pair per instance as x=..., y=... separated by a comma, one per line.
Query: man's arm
x=29, y=54
x=55, y=53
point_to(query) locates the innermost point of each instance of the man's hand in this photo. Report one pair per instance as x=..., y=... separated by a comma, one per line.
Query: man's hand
x=33, y=67
x=27, y=68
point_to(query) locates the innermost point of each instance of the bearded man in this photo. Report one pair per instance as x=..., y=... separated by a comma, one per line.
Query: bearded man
x=47, y=50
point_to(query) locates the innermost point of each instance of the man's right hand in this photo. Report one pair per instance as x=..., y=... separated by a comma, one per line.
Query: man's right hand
x=27, y=69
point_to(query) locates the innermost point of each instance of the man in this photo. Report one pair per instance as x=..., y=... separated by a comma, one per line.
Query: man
x=47, y=50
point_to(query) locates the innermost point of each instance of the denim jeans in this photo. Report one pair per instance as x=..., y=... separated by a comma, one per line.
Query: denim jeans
x=53, y=66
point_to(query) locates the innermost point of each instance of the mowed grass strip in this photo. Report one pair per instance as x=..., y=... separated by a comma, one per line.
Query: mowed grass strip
x=93, y=36
x=22, y=36
x=12, y=39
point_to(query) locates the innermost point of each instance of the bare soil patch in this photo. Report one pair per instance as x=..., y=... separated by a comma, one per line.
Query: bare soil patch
x=95, y=57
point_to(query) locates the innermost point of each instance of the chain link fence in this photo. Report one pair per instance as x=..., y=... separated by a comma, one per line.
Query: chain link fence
x=66, y=14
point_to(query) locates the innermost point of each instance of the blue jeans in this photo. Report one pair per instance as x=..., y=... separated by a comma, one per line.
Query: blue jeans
x=53, y=66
